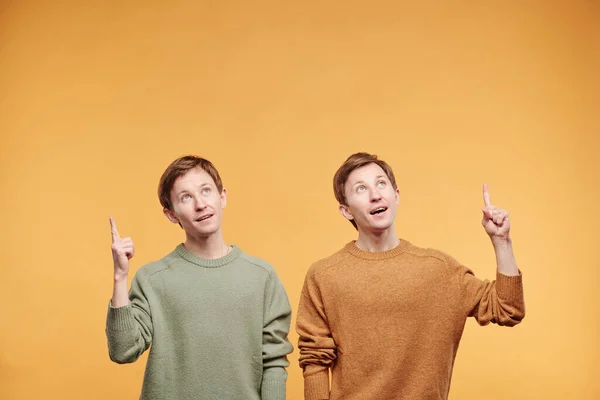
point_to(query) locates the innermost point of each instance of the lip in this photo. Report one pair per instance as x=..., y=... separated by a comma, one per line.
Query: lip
x=205, y=216
x=377, y=208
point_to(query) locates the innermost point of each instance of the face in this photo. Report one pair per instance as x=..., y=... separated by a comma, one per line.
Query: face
x=197, y=203
x=371, y=199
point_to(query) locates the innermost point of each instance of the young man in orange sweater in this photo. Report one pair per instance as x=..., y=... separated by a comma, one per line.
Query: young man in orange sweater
x=385, y=316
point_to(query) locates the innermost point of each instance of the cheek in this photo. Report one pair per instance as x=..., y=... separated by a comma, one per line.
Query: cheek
x=358, y=211
x=216, y=204
x=176, y=211
x=180, y=208
x=183, y=211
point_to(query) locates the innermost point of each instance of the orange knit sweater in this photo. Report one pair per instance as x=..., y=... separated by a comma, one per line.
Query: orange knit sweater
x=388, y=324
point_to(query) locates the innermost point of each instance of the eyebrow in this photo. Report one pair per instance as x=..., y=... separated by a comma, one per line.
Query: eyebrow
x=201, y=187
x=377, y=177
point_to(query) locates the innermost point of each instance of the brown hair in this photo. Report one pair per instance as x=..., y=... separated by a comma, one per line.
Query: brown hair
x=353, y=162
x=179, y=167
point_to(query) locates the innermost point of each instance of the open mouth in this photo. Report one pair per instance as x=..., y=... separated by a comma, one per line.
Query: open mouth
x=204, y=218
x=378, y=210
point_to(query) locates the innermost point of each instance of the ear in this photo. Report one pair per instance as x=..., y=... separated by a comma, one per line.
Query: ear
x=397, y=196
x=223, y=198
x=346, y=213
x=170, y=215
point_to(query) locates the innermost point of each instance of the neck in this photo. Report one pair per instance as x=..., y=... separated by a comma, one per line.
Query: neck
x=377, y=241
x=208, y=247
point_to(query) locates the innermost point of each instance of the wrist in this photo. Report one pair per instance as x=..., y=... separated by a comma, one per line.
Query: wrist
x=501, y=242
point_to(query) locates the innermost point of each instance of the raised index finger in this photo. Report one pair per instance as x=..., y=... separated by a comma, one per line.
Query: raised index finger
x=486, y=195
x=113, y=230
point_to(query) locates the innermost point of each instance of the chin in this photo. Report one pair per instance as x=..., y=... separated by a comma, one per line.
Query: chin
x=208, y=231
x=381, y=227
x=372, y=229
x=203, y=231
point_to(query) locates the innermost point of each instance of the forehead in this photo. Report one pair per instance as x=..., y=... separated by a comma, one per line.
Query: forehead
x=366, y=173
x=192, y=178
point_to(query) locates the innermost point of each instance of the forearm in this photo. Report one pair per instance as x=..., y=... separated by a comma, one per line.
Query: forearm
x=120, y=295
x=127, y=340
x=318, y=352
x=129, y=323
x=276, y=345
x=505, y=258
x=316, y=384
x=273, y=384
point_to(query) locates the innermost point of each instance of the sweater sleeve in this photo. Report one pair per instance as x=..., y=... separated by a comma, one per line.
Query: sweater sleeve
x=318, y=350
x=276, y=345
x=129, y=328
x=500, y=301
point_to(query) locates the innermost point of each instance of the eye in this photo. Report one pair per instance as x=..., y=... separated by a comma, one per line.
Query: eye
x=185, y=197
x=361, y=189
x=206, y=190
x=381, y=184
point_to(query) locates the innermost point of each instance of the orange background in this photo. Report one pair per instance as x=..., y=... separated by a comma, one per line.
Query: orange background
x=96, y=98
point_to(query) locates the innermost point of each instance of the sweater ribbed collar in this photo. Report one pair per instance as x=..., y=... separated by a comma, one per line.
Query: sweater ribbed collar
x=377, y=255
x=208, y=262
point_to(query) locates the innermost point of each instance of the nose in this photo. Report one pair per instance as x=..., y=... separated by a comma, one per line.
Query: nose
x=375, y=195
x=200, y=204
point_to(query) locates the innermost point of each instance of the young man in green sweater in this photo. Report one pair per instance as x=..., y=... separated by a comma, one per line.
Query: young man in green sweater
x=216, y=318
x=385, y=316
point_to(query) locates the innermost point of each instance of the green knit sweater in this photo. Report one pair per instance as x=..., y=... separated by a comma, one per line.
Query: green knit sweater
x=218, y=328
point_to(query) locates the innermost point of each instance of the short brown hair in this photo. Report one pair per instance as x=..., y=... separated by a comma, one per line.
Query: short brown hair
x=353, y=162
x=180, y=167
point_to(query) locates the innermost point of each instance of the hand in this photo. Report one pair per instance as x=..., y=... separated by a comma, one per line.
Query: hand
x=495, y=220
x=122, y=251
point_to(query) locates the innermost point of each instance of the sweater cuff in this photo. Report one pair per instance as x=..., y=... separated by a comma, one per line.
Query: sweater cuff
x=119, y=319
x=509, y=287
x=316, y=386
x=272, y=390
